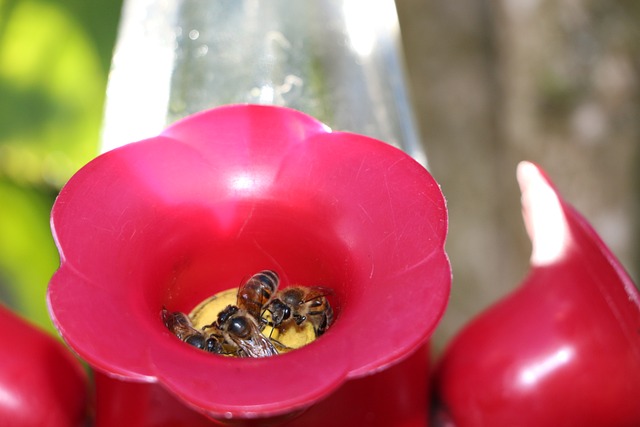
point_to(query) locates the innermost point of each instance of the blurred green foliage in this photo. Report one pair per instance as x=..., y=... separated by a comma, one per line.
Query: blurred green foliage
x=54, y=63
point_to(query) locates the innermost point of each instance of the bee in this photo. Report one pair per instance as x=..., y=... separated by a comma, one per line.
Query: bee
x=180, y=325
x=240, y=331
x=299, y=304
x=257, y=291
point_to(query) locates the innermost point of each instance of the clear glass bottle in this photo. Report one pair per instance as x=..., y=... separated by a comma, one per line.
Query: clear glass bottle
x=337, y=60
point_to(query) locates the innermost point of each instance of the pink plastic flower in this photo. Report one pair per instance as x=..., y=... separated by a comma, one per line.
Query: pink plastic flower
x=219, y=196
x=563, y=349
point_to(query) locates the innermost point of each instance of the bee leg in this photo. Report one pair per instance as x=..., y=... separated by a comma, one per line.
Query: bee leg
x=262, y=322
x=279, y=346
x=271, y=332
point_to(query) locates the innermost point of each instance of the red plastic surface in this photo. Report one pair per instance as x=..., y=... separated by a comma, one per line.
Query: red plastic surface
x=41, y=382
x=135, y=404
x=394, y=397
x=226, y=193
x=564, y=348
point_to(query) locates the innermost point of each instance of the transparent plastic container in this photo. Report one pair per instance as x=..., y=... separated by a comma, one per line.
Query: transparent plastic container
x=337, y=60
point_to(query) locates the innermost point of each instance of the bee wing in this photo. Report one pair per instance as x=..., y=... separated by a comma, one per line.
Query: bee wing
x=257, y=345
x=318, y=292
x=178, y=323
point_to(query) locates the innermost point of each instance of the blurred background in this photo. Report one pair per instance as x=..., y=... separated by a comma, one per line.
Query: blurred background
x=493, y=83
x=54, y=62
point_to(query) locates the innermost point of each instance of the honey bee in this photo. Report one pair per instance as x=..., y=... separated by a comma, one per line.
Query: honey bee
x=299, y=304
x=257, y=291
x=180, y=325
x=240, y=331
x=238, y=328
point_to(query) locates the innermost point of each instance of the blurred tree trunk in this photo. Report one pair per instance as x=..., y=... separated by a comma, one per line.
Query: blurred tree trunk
x=554, y=82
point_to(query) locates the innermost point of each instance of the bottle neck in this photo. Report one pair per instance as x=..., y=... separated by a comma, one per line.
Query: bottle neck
x=337, y=60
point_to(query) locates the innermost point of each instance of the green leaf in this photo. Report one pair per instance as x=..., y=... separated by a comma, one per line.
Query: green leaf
x=28, y=256
x=54, y=60
x=51, y=94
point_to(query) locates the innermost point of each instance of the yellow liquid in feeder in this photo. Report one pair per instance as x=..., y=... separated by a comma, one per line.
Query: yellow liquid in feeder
x=291, y=337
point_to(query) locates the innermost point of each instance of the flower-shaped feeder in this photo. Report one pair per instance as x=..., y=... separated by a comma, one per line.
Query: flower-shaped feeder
x=564, y=348
x=219, y=196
